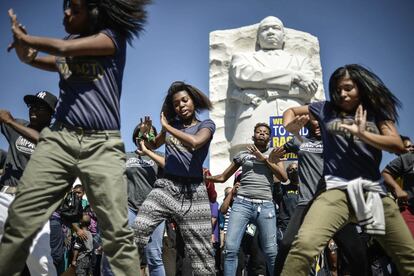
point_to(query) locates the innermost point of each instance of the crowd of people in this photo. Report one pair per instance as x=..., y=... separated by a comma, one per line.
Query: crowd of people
x=72, y=201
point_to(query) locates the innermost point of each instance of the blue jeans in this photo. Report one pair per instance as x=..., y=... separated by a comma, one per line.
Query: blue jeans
x=153, y=250
x=260, y=214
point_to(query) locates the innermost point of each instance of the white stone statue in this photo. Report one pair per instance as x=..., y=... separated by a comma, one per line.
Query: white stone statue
x=256, y=72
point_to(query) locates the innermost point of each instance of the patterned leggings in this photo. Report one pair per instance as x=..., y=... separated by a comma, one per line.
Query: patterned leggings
x=188, y=206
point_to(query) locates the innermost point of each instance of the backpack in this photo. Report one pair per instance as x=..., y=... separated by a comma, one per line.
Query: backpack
x=71, y=208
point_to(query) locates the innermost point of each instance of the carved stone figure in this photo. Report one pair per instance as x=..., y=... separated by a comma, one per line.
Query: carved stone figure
x=257, y=72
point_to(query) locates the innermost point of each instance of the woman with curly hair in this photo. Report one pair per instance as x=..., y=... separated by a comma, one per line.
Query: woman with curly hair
x=85, y=139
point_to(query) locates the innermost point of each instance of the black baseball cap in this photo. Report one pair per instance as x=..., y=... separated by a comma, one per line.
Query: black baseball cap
x=44, y=97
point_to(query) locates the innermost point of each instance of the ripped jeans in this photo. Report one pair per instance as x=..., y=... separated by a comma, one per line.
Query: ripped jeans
x=260, y=214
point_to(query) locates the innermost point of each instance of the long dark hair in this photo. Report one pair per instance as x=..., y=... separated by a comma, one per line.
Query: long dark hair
x=376, y=98
x=201, y=102
x=127, y=17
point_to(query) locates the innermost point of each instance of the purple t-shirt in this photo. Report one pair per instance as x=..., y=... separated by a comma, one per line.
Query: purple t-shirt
x=90, y=87
x=346, y=155
x=181, y=160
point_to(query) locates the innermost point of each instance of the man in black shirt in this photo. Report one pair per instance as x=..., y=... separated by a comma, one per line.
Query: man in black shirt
x=22, y=137
x=399, y=176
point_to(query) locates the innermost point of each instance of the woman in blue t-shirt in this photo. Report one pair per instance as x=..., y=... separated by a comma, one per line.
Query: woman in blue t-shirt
x=85, y=140
x=254, y=202
x=181, y=195
x=356, y=125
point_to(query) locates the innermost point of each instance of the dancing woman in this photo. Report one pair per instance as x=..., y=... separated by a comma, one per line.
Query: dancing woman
x=85, y=140
x=356, y=125
x=181, y=195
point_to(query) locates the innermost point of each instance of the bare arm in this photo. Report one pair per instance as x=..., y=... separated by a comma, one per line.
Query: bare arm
x=390, y=181
x=221, y=178
x=79, y=231
x=25, y=44
x=227, y=202
x=278, y=169
x=295, y=118
x=27, y=132
x=160, y=160
x=75, y=257
x=47, y=63
x=388, y=139
x=94, y=45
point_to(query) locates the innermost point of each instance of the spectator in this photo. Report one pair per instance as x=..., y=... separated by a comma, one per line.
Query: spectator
x=290, y=196
x=82, y=249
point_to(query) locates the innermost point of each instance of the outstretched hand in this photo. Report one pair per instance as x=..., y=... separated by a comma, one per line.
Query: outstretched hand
x=5, y=116
x=163, y=119
x=358, y=126
x=276, y=155
x=256, y=152
x=25, y=53
x=297, y=124
x=145, y=125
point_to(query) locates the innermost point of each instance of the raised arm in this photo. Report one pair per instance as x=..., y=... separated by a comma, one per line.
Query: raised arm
x=27, y=132
x=223, y=177
x=27, y=46
x=295, y=118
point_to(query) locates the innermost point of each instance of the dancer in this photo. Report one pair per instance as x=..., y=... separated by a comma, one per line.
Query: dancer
x=310, y=160
x=253, y=203
x=402, y=168
x=85, y=140
x=356, y=125
x=22, y=137
x=182, y=195
x=143, y=167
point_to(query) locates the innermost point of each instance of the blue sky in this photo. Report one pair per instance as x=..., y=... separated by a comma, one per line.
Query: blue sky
x=175, y=46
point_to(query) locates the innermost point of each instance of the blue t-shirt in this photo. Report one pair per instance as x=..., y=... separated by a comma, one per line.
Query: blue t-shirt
x=181, y=160
x=346, y=155
x=90, y=87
